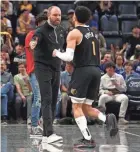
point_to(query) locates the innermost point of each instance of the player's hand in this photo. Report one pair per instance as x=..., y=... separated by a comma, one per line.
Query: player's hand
x=54, y=52
x=33, y=43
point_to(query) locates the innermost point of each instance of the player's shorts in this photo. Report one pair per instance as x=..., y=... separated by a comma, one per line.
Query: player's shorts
x=84, y=84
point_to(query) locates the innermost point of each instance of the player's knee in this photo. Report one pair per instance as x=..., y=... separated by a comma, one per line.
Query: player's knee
x=76, y=106
x=85, y=107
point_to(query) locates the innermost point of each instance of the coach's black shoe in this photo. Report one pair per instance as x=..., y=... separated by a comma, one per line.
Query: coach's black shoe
x=83, y=143
x=111, y=124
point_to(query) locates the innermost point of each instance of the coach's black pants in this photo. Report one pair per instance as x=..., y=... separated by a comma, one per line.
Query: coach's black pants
x=49, y=81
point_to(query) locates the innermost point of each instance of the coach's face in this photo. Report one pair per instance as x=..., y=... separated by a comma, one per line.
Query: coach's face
x=55, y=16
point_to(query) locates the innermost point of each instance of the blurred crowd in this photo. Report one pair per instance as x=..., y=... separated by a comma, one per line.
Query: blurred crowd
x=120, y=62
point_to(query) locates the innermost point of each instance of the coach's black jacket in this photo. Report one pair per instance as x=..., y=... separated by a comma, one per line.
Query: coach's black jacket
x=49, y=38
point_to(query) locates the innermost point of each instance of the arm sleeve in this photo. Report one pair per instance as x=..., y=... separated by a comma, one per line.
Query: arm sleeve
x=66, y=56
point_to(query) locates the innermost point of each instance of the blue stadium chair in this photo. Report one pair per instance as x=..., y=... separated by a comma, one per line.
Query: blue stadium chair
x=127, y=26
x=113, y=40
x=109, y=27
x=128, y=11
x=133, y=92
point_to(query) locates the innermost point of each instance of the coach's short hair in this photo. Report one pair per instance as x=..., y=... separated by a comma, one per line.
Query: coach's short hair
x=82, y=14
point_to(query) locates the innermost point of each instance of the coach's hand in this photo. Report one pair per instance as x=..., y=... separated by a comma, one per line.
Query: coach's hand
x=54, y=52
x=33, y=43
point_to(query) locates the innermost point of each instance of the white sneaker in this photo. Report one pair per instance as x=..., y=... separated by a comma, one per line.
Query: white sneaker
x=122, y=121
x=36, y=131
x=51, y=148
x=52, y=138
x=29, y=121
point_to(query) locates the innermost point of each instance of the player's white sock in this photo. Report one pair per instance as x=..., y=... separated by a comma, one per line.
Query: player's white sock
x=102, y=117
x=82, y=124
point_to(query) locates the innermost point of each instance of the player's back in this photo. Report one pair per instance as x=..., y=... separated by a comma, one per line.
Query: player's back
x=87, y=52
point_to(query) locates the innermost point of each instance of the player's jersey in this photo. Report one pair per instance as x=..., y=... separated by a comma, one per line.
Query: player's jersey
x=87, y=52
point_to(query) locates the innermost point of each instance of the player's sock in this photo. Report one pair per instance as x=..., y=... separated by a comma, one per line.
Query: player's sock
x=102, y=117
x=82, y=124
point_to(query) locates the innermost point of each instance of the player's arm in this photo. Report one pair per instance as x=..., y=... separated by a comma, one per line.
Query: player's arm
x=37, y=37
x=72, y=40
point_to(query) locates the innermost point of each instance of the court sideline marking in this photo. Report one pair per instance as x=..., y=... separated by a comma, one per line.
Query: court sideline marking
x=130, y=133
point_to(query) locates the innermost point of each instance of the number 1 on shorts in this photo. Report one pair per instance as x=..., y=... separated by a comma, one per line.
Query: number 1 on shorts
x=93, y=44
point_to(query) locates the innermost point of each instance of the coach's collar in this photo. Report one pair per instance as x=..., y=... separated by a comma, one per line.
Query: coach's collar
x=51, y=24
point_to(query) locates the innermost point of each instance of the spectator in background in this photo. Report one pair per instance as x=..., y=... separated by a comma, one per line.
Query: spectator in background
x=25, y=23
x=10, y=31
x=132, y=41
x=8, y=43
x=4, y=55
x=115, y=50
x=93, y=23
x=24, y=94
x=107, y=15
x=119, y=65
x=136, y=66
x=65, y=79
x=25, y=5
x=107, y=58
x=5, y=22
x=102, y=43
x=70, y=16
x=8, y=6
x=128, y=70
x=6, y=91
x=16, y=57
x=112, y=87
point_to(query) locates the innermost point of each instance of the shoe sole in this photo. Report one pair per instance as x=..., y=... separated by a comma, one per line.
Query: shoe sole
x=84, y=146
x=112, y=124
x=34, y=136
x=58, y=140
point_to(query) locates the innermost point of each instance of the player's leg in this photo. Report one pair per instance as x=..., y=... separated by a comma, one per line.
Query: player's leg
x=93, y=112
x=78, y=90
x=80, y=117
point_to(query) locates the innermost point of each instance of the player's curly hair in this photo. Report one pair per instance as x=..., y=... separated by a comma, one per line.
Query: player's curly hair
x=82, y=14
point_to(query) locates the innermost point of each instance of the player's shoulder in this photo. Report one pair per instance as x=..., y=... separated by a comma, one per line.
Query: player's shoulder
x=74, y=33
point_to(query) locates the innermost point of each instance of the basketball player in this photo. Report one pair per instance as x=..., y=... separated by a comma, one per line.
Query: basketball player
x=83, y=49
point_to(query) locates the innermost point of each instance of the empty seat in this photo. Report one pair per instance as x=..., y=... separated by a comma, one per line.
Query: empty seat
x=41, y=7
x=65, y=7
x=127, y=11
x=117, y=41
x=127, y=27
x=109, y=26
